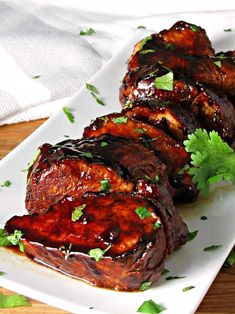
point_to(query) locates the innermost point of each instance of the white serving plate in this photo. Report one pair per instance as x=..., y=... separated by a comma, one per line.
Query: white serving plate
x=199, y=267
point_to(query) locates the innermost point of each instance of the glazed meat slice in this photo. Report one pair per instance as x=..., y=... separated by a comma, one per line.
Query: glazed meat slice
x=171, y=152
x=61, y=170
x=173, y=119
x=127, y=228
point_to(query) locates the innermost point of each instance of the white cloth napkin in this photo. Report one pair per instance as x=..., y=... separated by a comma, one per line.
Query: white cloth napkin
x=44, y=60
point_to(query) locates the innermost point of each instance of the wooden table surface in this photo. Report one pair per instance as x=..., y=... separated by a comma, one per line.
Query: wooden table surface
x=220, y=297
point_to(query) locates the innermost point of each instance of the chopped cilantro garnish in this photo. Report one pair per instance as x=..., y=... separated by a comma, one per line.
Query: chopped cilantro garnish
x=227, y=30
x=230, y=259
x=139, y=130
x=203, y=217
x=98, y=253
x=142, y=212
x=192, y=235
x=128, y=104
x=141, y=27
x=92, y=88
x=2, y=273
x=144, y=52
x=77, y=212
x=36, y=77
x=165, y=82
x=86, y=154
x=157, y=224
x=144, y=41
x=150, y=307
x=105, y=185
x=6, y=184
x=156, y=179
x=212, y=160
x=165, y=271
x=88, y=32
x=194, y=28
x=98, y=100
x=188, y=288
x=105, y=119
x=13, y=300
x=218, y=63
x=103, y=144
x=120, y=120
x=212, y=247
x=145, y=285
x=169, y=46
x=68, y=113
x=175, y=277
x=11, y=239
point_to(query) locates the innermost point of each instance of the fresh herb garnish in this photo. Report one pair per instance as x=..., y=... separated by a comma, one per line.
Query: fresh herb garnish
x=141, y=27
x=175, y=277
x=103, y=144
x=218, y=63
x=11, y=239
x=188, y=288
x=13, y=300
x=157, y=224
x=203, y=217
x=86, y=154
x=145, y=285
x=194, y=28
x=150, y=307
x=142, y=212
x=66, y=135
x=105, y=185
x=144, y=52
x=6, y=184
x=212, y=247
x=144, y=41
x=227, y=30
x=105, y=119
x=120, y=120
x=36, y=77
x=2, y=273
x=88, y=32
x=212, y=160
x=230, y=259
x=77, y=212
x=139, y=130
x=68, y=113
x=169, y=46
x=192, y=235
x=165, y=271
x=98, y=253
x=94, y=93
x=165, y=82
x=128, y=104
x=156, y=179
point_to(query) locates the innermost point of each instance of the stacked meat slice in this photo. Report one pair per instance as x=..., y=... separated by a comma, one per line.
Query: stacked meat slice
x=102, y=207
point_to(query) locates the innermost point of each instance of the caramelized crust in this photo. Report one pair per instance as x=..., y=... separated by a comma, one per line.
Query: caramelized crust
x=137, y=252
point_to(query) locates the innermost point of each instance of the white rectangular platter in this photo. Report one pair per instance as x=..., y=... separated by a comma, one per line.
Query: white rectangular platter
x=199, y=267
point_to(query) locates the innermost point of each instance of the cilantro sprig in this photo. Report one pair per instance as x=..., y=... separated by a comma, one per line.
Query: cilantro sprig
x=94, y=92
x=11, y=239
x=212, y=160
x=87, y=32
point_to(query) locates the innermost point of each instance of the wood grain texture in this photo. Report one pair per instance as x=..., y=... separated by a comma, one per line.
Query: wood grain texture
x=220, y=298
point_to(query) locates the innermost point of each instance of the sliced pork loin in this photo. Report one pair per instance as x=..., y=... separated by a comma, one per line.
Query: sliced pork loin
x=127, y=226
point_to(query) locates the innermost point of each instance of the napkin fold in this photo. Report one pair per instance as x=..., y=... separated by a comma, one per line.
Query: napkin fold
x=44, y=60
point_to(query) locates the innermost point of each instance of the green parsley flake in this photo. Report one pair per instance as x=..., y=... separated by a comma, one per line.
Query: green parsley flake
x=169, y=46
x=11, y=239
x=175, y=277
x=36, y=77
x=141, y=27
x=143, y=212
x=157, y=224
x=13, y=300
x=144, y=41
x=192, y=235
x=139, y=130
x=218, y=63
x=120, y=120
x=203, y=217
x=86, y=154
x=92, y=88
x=144, y=52
x=77, y=212
x=145, y=285
x=6, y=184
x=156, y=179
x=230, y=259
x=105, y=185
x=103, y=144
x=2, y=273
x=68, y=113
x=105, y=119
x=150, y=307
x=212, y=247
x=165, y=271
x=88, y=32
x=195, y=28
x=98, y=253
x=165, y=82
x=227, y=30
x=188, y=288
x=98, y=100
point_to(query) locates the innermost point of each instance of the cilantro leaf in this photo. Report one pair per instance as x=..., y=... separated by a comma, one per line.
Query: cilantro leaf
x=212, y=248
x=141, y=27
x=69, y=114
x=195, y=28
x=2, y=273
x=188, y=288
x=145, y=285
x=165, y=271
x=86, y=154
x=212, y=160
x=230, y=259
x=98, y=100
x=165, y=82
x=105, y=185
x=36, y=77
x=92, y=88
x=157, y=224
x=144, y=52
x=88, y=32
x=120, y=120
x=142, y=212
x=144, y=41
x=192, y=235
x=227, y=30
x=77, y=212
x=103, y=144
x=218, y=63
x=98, y=253
x=150, y=307
x=14, y=300
x=11, y=239
x=6, y=184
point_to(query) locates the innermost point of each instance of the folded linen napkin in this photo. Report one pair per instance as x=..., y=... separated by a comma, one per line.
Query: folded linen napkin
x=44, y=60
